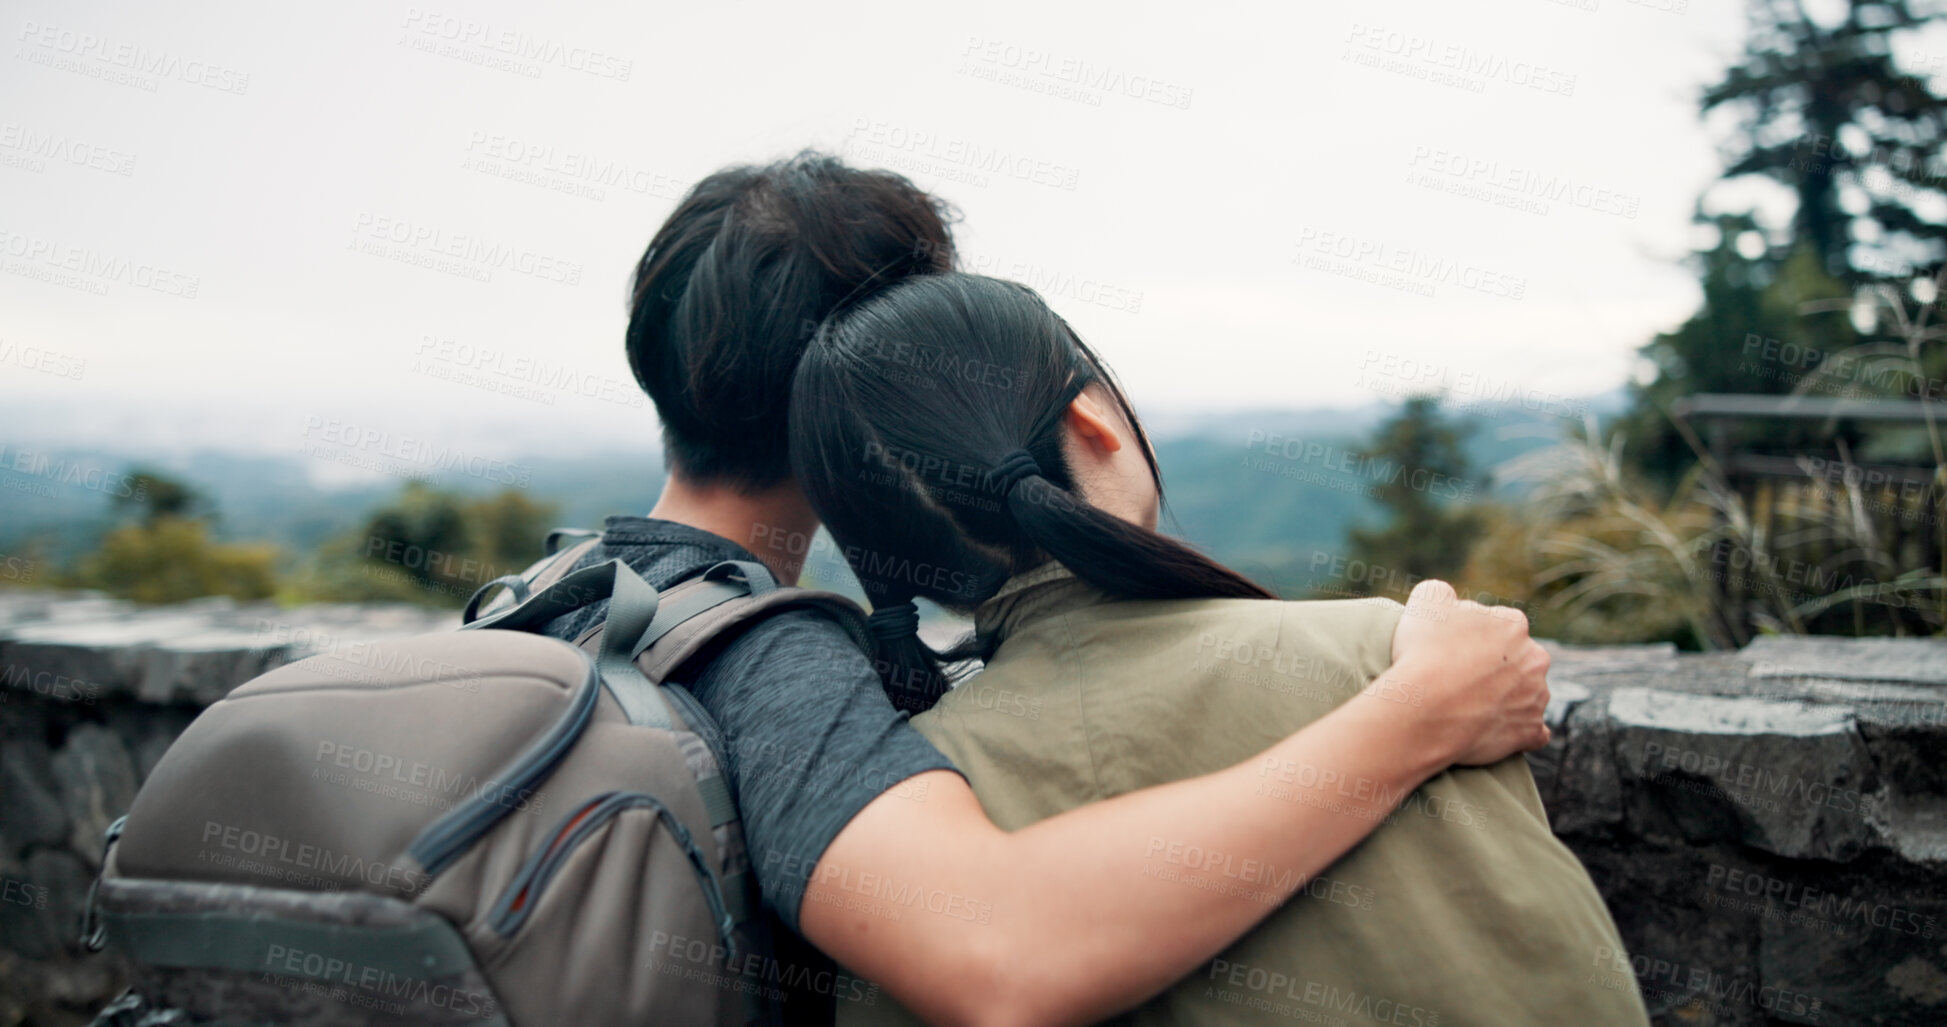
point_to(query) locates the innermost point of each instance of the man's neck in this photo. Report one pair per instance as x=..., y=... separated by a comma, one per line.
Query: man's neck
x=777, y=524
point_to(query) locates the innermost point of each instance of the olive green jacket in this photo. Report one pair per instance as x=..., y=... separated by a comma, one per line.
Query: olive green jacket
x=1461, y=909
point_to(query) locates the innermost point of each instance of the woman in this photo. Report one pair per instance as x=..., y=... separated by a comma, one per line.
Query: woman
x=963, y=446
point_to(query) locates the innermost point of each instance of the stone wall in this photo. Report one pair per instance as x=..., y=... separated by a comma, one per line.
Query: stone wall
x=1769, y=827
x=92, y=691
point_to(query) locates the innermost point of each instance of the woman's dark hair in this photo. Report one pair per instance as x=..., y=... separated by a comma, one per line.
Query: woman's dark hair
x=736, y=281
x=910, y=413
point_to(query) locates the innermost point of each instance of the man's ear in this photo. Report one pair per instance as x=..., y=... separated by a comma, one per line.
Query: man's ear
x=1091, y=424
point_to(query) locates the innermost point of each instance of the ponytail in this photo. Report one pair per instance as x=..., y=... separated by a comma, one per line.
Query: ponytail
x=910, y=671
x=940, y=485
x=1125, y=560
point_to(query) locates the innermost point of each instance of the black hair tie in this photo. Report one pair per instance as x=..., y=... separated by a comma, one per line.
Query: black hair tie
x=1013, y=469
x=893, y=622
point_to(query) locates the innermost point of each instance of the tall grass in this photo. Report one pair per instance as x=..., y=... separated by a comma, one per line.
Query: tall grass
x=1815, y=555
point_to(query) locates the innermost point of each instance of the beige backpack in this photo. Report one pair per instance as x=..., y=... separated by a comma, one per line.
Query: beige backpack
x=488, y=826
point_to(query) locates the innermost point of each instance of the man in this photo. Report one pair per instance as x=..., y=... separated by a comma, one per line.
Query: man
x=840, y=797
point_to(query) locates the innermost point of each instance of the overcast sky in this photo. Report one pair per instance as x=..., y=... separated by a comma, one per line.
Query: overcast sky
x=245, y=222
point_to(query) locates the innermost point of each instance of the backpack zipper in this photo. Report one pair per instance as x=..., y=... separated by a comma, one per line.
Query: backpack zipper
x=445, y=839
x=524, y=892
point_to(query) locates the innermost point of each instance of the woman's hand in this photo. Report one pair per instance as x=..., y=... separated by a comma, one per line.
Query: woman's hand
x=1484, y=678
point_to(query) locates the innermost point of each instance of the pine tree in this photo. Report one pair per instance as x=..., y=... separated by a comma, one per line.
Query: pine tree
x=1427, y=534
x=1851, y=127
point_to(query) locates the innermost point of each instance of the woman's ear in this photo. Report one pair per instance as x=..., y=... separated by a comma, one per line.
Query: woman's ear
x=1092, y=425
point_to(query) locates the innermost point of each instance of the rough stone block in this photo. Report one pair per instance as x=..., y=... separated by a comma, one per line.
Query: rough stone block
x=1788, y=778
x=31, y=809
x=97, y=781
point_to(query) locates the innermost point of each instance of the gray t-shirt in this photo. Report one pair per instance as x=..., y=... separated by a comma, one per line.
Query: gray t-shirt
x=806, y=729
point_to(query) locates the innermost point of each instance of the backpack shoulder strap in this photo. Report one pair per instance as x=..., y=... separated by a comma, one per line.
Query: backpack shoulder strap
x=551, y=569
x=693, y=624
x=724, y=598
x=632, y=607
x=536, y=578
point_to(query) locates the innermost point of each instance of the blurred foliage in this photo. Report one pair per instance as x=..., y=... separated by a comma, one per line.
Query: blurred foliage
x=425, y=546
x=1830, y=110
x=27, y=566
x=1851, y=128
x=167, y=554
x=171, y=559
x=1510, y=565
x=1607, y=560
x=1421, y=478
x=1751, y=320
x=1640, y=535
x=155, y=496
x=429, y=546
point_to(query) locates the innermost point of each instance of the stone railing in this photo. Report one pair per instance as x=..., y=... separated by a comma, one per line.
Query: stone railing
x=92, y=691
x=1769, y=827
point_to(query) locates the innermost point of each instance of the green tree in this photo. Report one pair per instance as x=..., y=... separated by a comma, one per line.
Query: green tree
x=168, y=559
x=1750, y=335
x=417, y=531
x=1423, y=477
x=1825, y=109
x=153, y=495
x=431, y=546
x=507, y=529
x=165, y=554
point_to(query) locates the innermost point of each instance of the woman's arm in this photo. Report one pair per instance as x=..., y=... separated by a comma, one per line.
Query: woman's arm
x=1059, y=923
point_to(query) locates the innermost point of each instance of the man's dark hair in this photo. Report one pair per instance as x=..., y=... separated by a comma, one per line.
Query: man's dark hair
x=734, y=284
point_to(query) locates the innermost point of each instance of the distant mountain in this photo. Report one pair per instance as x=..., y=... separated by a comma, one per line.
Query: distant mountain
x=1273, y=492
x=60, y=500
x=1320, y=422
